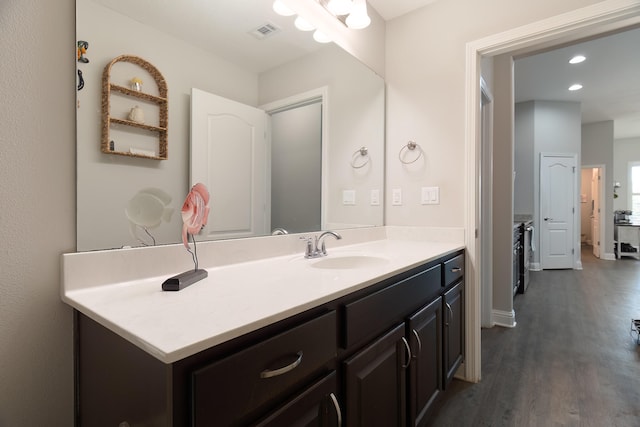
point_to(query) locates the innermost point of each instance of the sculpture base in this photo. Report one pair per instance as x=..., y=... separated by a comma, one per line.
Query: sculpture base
x=183, y=280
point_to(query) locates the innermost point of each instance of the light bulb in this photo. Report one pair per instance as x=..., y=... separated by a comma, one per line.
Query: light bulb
x=358, y=18
x=303, y=25
x=576, y=86
x=320, y=37
x=282, y=9
x=340, y=7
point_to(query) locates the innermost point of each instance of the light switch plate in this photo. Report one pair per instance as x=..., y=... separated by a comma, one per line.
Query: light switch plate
x=396, y=199
x=430, y=196
x=375, y=197
x=349, y=197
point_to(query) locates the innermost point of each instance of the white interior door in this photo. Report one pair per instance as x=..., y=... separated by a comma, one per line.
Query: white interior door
x=595, y=214
x=229, y=154
x=557, y=210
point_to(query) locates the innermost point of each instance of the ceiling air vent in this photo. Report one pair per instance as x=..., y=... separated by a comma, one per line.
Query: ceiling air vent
x=264, y=31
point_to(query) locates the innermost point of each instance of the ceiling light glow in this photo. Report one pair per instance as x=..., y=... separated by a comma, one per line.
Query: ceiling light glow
x=577, y=59
x=303, y=24
x=282, y=9
x=576, y=86
x=320, y=37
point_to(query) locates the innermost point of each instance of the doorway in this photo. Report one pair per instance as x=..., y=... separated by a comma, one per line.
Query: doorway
x=591, y=191
x=569, y=27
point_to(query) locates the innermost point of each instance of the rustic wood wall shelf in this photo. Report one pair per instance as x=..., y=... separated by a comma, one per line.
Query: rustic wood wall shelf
x=161, y=101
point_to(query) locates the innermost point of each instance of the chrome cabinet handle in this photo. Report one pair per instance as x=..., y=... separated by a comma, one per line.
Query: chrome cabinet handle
x=337, y=406
x=268, y=373
x=450, y=313
x=406, y=344
x=546, y=218
x=415, y=334
x=456, y=269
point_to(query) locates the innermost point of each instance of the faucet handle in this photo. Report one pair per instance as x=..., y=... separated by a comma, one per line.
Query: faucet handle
x=308, y=253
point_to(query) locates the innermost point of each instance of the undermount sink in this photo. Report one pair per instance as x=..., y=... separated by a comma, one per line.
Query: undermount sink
x=345, y=262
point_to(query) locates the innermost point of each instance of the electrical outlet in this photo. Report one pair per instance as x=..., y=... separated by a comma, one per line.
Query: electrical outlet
x=396, y=199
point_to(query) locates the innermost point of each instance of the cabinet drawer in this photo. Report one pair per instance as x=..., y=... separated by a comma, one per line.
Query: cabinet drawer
x=453, y=270
x=375, y=313
x=317, y=406
x=238, y=388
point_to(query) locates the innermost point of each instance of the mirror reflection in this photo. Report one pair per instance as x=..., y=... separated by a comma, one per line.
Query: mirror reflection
x=211, y=47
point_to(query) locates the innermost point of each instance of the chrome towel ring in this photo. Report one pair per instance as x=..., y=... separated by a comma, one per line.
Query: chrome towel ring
x=410, y=147
x=361, y=154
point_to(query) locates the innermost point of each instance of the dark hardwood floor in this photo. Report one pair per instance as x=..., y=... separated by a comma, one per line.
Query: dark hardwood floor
x=570, y=361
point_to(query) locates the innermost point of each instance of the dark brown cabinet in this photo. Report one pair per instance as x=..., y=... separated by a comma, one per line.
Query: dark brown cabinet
x=316, y=406
x=424, y=328
x=378, y=357
x=454, y=336
x=375, y=382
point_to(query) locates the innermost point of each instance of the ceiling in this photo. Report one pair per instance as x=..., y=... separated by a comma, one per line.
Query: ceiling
x=610, y=77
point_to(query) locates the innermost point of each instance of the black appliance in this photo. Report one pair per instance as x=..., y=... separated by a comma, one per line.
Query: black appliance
x=526, y=254
x=517, y=250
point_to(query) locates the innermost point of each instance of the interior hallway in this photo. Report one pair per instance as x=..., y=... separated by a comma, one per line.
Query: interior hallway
x=570, y=361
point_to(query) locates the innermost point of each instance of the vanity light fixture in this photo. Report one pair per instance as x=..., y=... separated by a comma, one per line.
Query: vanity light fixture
x=282, y=9
x=577, y=59
x=575, y=87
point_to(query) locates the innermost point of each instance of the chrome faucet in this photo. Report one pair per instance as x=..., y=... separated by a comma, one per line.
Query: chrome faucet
x=315, y=245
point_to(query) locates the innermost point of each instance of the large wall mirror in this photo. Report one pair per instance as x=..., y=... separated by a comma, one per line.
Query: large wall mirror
x=219, y=48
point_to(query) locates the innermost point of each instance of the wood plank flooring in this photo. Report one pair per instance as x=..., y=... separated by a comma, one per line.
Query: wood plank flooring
x=570, y=360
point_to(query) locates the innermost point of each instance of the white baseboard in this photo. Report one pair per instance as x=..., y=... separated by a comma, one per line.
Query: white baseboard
x=506, y=319
x=534, y=266
x=608, y=256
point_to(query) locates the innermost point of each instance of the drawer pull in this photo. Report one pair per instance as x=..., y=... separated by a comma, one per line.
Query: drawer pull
x=268, y=373
x=406, y=344
x=456, y=269
x=415, y=334
x=337, y=406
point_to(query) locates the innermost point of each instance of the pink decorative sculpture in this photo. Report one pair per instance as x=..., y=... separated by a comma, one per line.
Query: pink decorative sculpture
x=195, y=212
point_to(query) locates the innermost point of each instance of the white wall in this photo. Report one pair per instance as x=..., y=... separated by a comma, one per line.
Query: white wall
x=425, y=69
x=624, y=151
x=37, y=219
x=597, y=149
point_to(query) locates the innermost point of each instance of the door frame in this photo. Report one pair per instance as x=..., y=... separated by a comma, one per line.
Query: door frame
x=292, y=101
x=592, y=20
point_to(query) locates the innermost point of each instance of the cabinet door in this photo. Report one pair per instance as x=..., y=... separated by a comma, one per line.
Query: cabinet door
x=453, y=330
x=375, y=383
x=317, y=406
x=424, y=330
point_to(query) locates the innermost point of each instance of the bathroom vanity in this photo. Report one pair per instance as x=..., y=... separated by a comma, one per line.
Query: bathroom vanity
x=369, y=335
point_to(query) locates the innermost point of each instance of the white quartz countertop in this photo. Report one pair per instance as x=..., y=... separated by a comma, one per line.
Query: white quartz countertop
x=242, y=297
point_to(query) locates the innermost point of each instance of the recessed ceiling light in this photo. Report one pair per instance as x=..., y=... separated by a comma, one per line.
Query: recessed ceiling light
x=576, y=86
x=577, y=59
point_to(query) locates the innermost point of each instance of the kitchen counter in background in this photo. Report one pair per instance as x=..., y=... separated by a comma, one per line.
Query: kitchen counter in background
x=252, y=283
